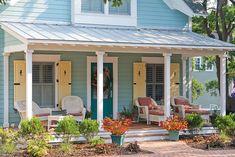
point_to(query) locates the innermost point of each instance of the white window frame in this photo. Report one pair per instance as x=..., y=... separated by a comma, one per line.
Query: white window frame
x=78, y=17
x=206, y=69
x=50, y=58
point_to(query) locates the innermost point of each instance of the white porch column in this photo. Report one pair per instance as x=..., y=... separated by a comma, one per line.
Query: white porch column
x=184, y=75
x=100, y=61
x=167, y=90
x=223, y=84
x=29, y=83
x=6, y=89
x=190, y=78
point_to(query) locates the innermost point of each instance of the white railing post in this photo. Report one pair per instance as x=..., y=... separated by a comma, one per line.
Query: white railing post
x=223, y=84
x=29, y=83
x=100, y=61
x=167, y=90
x=6, y=89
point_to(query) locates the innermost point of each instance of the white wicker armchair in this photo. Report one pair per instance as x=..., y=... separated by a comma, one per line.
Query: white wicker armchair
x=41, y=113
x=74, y=106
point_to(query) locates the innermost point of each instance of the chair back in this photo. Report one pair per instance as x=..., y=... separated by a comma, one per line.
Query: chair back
x=20, y=106
x=72, y=104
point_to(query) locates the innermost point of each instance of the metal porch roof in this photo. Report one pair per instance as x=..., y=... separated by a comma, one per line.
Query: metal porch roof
x=43, y=33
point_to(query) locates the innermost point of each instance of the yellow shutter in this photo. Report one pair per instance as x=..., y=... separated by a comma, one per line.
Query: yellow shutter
x=139, y=80
x=64, y=78
x=175, y=79
x=19, y=80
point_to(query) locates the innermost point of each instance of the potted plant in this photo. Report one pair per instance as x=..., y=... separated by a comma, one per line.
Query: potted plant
x=174, y=125
x=117, y=128
x=127, y=113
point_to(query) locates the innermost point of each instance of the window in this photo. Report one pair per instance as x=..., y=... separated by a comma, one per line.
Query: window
x=155, y=81
x=124, y=9
x=44, y=84
x=199, y=65
x=100, y=13
x=93, y=6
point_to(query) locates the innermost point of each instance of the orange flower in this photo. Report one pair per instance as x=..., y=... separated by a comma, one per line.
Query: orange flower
x=174, y=124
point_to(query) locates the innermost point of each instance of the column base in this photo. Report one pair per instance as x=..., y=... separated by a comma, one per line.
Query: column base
x=6, y=125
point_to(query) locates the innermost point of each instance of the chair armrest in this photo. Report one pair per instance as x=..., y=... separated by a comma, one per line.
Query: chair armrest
x=46, y=110
x=195, y=106
x=145, y=109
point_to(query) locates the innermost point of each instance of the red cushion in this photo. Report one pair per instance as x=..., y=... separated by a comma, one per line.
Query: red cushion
x=75, y=114
x=184, y=102
x=42, y=115
x=157, y=112
x=146, y=101
x=198, y=111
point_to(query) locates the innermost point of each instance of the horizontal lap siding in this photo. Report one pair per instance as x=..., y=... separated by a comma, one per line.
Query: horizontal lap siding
x=37, y=10
x=155, y=13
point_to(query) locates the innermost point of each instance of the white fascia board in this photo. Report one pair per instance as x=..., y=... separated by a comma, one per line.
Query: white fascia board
x=128, y=44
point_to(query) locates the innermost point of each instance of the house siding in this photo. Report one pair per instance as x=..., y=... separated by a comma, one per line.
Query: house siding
x=79, y=77
x=37, y=10
x=155, y=13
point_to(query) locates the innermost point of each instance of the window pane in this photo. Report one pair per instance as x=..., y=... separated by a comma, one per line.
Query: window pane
x=124, y=9
x=93, y=6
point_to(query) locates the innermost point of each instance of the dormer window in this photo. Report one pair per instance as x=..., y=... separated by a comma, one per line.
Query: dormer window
x=98, y=12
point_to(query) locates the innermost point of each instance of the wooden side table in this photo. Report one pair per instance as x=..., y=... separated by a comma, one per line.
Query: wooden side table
x=51, y=118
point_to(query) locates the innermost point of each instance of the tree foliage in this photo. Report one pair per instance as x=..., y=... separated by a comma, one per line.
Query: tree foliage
x=212, y=87
x=197, y=89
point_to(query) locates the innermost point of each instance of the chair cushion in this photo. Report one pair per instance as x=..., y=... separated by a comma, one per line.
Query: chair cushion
x=75, y=114
x=146, y=101
x=180, y=101
x=157, y=112
x=42, y=115
x=198, y=111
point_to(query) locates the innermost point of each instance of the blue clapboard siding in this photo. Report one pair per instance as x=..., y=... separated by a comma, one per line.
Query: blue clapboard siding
x=155, y=13
x=37, y=10
x=79, y=76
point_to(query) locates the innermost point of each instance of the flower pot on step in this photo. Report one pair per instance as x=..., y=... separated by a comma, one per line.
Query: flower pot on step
x=174, y=135
x=118, y=139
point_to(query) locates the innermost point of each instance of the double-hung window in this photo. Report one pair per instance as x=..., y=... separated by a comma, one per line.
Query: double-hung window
x=99, y=12
x=199, y=65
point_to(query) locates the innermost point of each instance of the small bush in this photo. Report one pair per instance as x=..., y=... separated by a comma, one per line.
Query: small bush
x=195, y=121
x=66, y=147
x=8, y=140
x=38, y=147
x=226, y=124
x=8, y=148
x=31, y=127
x=89, y=129
x=97, y=141
x=67, y=127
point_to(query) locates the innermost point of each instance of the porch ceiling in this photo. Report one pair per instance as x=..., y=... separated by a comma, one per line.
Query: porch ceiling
x=42, y=36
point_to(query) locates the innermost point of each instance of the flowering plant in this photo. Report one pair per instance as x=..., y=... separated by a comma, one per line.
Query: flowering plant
x=116, y=127
x=174, y=124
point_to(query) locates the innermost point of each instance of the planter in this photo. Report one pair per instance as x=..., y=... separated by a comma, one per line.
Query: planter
x=174, y=135
x=118, y=139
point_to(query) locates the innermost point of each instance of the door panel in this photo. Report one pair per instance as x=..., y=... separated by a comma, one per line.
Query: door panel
x=175, y=79
x=19, y=80
x=107, y=89
x=139, y=80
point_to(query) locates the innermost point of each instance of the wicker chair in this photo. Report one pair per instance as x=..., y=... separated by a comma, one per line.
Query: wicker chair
x=41, y=113
x=74, y=107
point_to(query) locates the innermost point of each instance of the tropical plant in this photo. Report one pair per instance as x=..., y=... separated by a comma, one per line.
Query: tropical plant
x=29, y=128
x=67, y=127
x=116, y=127
x=89, y=129
x=195, y=121
x=126, y=113
x=174, y=124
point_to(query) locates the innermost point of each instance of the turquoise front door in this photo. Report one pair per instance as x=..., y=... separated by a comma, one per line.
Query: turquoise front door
x=107, y=90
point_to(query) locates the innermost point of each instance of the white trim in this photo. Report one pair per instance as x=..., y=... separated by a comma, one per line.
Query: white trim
x=50, y=58
x=104, y=18
x=15, y=48
x=184, y=59
x=114, y=60
x=223, y=84
x=190, y=77
x=153, y=60
x=6, y=89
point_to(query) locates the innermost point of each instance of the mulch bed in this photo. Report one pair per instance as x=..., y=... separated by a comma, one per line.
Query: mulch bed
x=211, y=142
x=89, y=151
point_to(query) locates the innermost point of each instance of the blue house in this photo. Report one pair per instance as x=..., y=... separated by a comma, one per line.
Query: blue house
x=106, y=55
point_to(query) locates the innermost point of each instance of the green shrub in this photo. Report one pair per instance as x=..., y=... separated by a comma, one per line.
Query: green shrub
x=67, y=127
x=89, y=129
x=195, y=121
x=226, y=124
x=8, y=140
x=97, y=141
x=8, y=148
x=31, y=127
x=38, y=146
x=66, y=147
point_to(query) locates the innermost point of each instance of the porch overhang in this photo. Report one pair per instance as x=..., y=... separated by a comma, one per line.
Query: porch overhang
x=123, y=40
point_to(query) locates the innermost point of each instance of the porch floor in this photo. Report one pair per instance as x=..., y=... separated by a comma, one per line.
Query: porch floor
x=143, y=126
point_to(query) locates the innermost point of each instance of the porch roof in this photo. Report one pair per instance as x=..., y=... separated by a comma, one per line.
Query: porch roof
x=67, y=34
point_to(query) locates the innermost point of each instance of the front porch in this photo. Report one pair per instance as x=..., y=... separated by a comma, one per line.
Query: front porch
x=78, y=51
